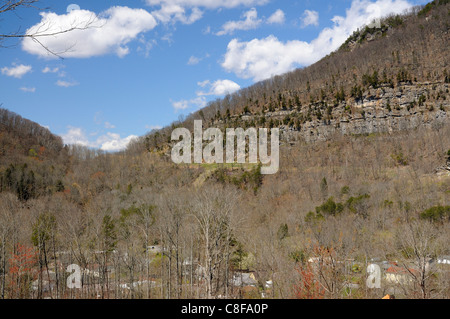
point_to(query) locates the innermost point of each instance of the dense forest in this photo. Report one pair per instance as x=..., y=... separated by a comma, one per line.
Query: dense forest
x=136, y=225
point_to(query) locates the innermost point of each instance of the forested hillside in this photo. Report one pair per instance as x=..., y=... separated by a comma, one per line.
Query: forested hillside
x=364, y=182
x=33, y=161
x=392, y=77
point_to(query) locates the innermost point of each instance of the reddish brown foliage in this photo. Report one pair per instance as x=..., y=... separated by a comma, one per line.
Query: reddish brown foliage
x=308, y=286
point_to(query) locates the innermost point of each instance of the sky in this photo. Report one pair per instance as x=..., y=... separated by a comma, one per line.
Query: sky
x=125, y=68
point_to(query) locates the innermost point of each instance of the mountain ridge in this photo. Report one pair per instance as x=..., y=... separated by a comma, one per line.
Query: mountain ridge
x=400, y=67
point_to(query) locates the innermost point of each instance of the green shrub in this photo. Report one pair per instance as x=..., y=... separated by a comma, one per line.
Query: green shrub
x=371, y=80
x=395, y=21
x=312, y=217
x=330, y=207
x=356, y=204
x=436, y=213
x=298, y=256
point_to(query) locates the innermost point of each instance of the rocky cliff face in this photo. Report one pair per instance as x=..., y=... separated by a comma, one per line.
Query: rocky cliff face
x=382, y=79
x=376, y=123
x=381, y=110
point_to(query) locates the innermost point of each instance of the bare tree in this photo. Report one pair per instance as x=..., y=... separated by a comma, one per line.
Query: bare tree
x=419, y=244
x=172, y=220
x=8, y=224
x=44, y=30
x=213, y=209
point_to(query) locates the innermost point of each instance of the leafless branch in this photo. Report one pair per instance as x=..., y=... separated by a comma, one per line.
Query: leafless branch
x=43, y=30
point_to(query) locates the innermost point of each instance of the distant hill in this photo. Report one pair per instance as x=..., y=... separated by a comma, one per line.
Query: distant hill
x=381, y=80
x=385, y=79
x=364, y=179
x=32, y=159
x=22, y=137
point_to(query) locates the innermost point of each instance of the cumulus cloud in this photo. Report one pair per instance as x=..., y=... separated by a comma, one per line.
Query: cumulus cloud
x=75, y=135
x=216, y=88
x=209, y=4
x=110, y=142
x=197, y=103
x=277, y=17
x=188, y=11
x=16, y=71
x=176, y=13
x=93, y=35
x=310, y=18
x=219, y=87
x=251, y=21
x=260, y=59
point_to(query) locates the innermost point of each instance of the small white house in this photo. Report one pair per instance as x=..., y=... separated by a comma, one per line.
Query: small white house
x=241, y=279
x=444, y=260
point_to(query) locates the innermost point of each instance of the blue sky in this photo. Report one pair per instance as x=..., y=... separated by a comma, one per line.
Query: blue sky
x=131, y=66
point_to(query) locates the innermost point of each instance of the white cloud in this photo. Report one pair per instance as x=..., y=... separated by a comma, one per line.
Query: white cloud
x=260, y=59
x=219, y=87
x=146, y=46
x=360, y=13
x=174, y=13
x=277, y=17
x=209, y=4
x=59, y=70
x=66, y=84
x=168, y=37
x=198, y=103
x=193, y=60
x=109, y=32
x=177, y=10
x=203, y=83
x=16, y=71
x=75, y=135
x=107, y=142
x=181, y=105
x=216, y=88
x=251, y=22
x=310, y=18
x=113, y=142
x=50, y=70
x=122, y=51
x=28, y=89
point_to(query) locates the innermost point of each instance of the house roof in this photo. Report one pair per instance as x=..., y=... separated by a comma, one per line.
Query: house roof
x=244, y=279
x=401, y=270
